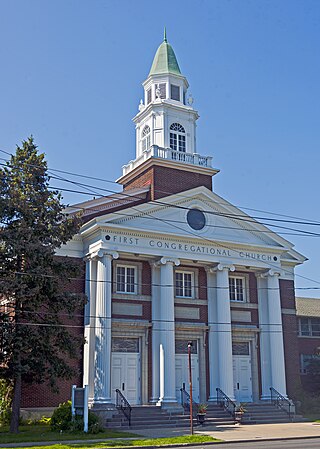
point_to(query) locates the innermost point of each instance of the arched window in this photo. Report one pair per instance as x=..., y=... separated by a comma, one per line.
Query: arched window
x=145, y=138
x=177, y=137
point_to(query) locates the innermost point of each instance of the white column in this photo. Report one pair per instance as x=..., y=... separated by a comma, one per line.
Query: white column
x=89, y=325
x=86, y=324
x=156, y=330
x=278, y=375
x=265, y=358
x=212, y=335
x=224, y=330
x=167, y=333
x=102, y=359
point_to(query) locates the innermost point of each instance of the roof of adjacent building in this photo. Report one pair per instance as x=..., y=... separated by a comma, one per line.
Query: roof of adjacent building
x=108, y=204
x=165, y=60
x=308, y=307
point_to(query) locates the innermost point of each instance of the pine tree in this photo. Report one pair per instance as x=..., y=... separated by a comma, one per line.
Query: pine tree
x=35, y=343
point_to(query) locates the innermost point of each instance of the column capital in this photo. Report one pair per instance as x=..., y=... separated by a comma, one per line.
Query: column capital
x=154, y=263
x=166, y=260
x=224, y=267
x=269, y=273
x=102, y=252
x=87, y=257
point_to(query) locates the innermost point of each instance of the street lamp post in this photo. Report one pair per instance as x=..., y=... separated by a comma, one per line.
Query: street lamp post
x=190, y=386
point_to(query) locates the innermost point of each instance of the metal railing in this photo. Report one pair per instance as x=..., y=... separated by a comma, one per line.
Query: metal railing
x=225, y=402
x=281, y=402
x=185, y=402
x=123, y=405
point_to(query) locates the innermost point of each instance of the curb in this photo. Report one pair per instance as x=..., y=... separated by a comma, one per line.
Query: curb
x=208, y=443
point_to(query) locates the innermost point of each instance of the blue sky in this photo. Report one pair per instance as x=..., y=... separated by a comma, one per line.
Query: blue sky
x=71, y=73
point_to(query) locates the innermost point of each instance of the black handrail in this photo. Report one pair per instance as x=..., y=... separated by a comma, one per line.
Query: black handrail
x=282, y=402
x=225, y=402
x=123, y=405
x=185, y=402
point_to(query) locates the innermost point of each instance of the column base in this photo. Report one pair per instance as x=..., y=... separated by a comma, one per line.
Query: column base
x=171, y=405
x=101, y=402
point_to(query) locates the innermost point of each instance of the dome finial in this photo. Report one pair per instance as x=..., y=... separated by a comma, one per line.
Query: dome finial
x=165, y=35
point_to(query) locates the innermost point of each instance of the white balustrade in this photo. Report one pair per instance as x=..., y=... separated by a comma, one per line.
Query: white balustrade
x=168, y=153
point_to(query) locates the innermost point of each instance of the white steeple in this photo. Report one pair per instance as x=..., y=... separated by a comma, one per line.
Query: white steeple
x=166, y=123
x=165, y=119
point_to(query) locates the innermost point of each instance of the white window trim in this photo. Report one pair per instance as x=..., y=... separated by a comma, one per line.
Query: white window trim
x=245, y=282
x=145, y=138
x=177, y=134
x=137, y=278
x=179, y=87
x=194, y=282
x=309, y=327
x=304, y=364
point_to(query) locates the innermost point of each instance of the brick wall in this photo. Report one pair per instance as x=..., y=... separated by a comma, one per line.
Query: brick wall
x=287, y=294
x=166, y=181
x=290, y=337
x=34, y=396
x=202, y=284
x=308, y=346
x=291, y=353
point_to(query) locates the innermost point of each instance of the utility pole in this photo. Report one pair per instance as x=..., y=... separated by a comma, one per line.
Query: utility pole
x=190, y=386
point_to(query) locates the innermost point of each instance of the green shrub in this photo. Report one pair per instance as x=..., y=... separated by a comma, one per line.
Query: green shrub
x=44, y=420
x=62, y=420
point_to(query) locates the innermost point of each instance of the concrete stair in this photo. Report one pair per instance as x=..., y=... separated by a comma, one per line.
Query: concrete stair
x=261, y=413
x=149, y=416
x=217, y=416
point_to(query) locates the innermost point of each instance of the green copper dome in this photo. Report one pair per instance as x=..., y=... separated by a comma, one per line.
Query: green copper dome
x=165, y=60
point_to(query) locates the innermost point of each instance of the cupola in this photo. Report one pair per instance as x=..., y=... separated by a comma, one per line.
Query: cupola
x=166, y=128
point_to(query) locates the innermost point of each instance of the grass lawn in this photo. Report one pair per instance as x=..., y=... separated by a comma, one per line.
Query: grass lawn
x=42, y=432
x=127, y=443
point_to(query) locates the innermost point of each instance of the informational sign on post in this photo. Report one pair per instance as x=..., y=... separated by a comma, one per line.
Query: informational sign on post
x=79, y=404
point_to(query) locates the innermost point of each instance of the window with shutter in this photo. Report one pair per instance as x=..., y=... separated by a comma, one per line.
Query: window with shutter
x=175, y=92
x=162, y=88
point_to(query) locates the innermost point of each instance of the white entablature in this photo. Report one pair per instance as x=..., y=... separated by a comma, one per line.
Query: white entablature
x=153, y=229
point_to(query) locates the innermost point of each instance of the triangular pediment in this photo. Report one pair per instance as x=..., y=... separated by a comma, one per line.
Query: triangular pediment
x=224, y=222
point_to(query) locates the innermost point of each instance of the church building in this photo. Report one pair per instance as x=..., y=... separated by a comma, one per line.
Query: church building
x=168, y=261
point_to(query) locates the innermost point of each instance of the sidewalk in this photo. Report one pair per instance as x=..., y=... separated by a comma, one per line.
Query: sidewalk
x=242, y=432
x=226, y=433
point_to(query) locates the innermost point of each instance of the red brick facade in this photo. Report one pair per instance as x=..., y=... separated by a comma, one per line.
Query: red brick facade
x=166, y=181
x=41, y=395
x=34, y=396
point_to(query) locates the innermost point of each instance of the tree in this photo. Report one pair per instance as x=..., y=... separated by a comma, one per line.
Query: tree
x=35, y=342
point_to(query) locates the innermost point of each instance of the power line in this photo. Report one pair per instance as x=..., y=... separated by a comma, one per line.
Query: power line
x=109, y=327
x=149, y=284
x=229, y=215
x=219, y=244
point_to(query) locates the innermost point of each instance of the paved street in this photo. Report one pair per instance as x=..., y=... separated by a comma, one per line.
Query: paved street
x=313, y=443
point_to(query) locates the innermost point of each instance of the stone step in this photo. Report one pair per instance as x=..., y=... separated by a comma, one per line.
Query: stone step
x=155, y=417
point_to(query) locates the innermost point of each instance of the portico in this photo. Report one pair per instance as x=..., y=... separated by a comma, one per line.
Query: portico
x=188, y=298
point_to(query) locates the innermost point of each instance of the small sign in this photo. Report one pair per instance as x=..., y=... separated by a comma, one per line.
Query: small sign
x=79, y=404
